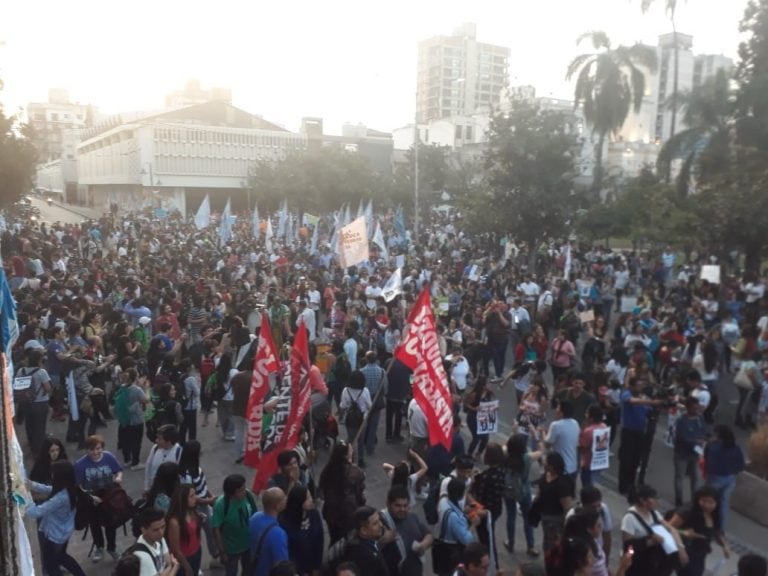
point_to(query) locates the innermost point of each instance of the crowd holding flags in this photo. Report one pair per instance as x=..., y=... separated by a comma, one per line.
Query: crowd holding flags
x=203, y=215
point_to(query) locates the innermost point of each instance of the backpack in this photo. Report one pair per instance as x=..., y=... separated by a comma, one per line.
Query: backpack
x=515, y=484
x=116, y=508
x=342, y=369
x=163, y=414
x=138, y=507
x=23, y=390
x=249, y=497
x=84, y=509
x=139, y=547
x=122, y=408
x=430, y=504
x=335, y=556
x=353, y=418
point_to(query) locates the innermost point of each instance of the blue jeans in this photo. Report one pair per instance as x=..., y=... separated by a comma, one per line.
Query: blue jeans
x=194, y=563
x=55, y=556
x=589, y=477
x=243, y=558
x=724, y=486
x=499, y=352
x=525, y=506
x=370, y=431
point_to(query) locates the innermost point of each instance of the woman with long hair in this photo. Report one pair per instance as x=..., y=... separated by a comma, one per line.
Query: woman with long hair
x=190, y=472
x=183, y=530
x=304, y=527
x=57, y=519
x=342, y=488
x=479, y=393
x=586, y=524
x=488, y=489
x=518, y=490
x=164, y=486
x=554, y=498
x=699, y=525
x=724, y=459
x=52, y=450
x=400, y=475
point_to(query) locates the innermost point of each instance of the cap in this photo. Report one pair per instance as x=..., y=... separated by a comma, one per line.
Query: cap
x=144, y=320
x=33, y=345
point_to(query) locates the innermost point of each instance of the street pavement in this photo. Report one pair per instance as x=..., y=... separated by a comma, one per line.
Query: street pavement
x=63, y=213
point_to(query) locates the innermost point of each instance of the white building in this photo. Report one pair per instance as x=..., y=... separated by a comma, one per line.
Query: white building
x=172, y=159
x=459, y=76
x=193, y=94
x=51, y=120
x=454, y=131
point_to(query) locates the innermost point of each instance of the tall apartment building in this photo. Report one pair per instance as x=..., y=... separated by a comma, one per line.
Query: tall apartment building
x=52, y=120
x=458, y=76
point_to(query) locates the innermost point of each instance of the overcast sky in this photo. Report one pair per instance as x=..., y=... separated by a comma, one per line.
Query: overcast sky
x=344, y=61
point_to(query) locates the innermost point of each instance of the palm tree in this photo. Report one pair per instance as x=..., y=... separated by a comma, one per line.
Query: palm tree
x=670, y=7
x=609, y=82
x=703, y=146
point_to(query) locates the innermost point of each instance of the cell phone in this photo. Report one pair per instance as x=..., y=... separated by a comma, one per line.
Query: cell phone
x=631, y=550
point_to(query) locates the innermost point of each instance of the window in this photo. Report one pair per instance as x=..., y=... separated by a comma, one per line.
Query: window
x=457, y=132
x=468, y=133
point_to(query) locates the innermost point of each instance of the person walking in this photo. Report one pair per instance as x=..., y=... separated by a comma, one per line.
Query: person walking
x=130, y=401
x=377, y=384
x=480, y=393
x=269, y=541
x=39, y=387
x=724, y=460
x=231, y=514
x=690, y=434
x=355, y=404
x=183, y=530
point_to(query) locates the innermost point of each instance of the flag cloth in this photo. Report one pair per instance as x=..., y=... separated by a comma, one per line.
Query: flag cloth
x=352, y=243
x=256, y=223
x=268, y=236
x=9, y=325
x=264, y=363
x=419, y=351
x=313, y=245
x=281, y=219
x=568, y=262
x=369, y=216
x=225, y=226
x=378, y=239
x=347, y=216
x=400, y=224
x=394, y=286
x=293, y=400
x=203, y=215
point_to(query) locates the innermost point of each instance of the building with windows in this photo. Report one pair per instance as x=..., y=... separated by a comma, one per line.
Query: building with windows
x=193, y=94
x=459, y=76
x=50, y=121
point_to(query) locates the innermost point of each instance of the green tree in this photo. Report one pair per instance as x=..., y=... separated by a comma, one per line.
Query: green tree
x=703, y=146
x=752, y=77
x=17, y=159
x=609, y=82
x=529, y=169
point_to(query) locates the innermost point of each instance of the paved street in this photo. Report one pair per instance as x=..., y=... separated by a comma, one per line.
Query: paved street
x=64, y=213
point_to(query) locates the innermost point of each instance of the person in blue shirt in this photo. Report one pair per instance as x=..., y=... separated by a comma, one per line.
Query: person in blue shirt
x=635, y=409
x=724, y=460
x=269, y=541
x=57, y=519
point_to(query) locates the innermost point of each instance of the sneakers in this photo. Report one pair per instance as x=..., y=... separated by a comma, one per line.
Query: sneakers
x=137, y=467
x=115, y=554
x=97, y=555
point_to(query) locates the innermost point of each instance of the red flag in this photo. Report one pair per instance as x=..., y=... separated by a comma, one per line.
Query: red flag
x=264, y=362
x=419, y=351
x=292, y=405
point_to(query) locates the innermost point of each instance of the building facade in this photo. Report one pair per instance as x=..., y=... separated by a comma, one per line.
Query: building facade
x=459, y=76
x=52, y=123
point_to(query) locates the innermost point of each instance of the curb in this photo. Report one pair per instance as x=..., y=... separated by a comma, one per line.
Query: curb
x=73, y=210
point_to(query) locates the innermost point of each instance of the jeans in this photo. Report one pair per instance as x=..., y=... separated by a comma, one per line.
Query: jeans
x=370, y=431
x=240, y=425
x=630, y=453
x=393, y=418
x=243, y=559
x=55, y=556
x=98, y=535
x=194, y=563
x=589, y=477
x=225, y=418
x=188, y=429
x=479, y=441
x=685, y=464
x=360, y=448
x=499, y=352
x=525, y=506
x=724, y=486
x=36, y=421
x=213, y=547
x=129, y=440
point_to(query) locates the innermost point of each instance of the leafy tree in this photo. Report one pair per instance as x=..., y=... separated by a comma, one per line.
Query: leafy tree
x=317, y=181
x=529, y=168
x=752, y=77
x=703, y=146
x=17, y=159
x=608, y=83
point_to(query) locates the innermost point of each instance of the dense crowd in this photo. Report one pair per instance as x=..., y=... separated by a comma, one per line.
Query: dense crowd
x=152, y=324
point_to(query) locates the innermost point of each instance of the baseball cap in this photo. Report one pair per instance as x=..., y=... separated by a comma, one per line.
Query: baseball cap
x=33, y=345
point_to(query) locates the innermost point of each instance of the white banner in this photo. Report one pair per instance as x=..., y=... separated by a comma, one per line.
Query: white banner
x=487, y=417
x=353, y=243
x=711, y=274
x=601, y=442
x=394, y=286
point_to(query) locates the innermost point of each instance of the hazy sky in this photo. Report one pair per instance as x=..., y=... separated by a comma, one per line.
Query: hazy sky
x=344, y=61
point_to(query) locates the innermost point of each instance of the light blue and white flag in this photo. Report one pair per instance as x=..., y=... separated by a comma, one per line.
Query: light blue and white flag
x=225, y=226
x=256, y=223
x=203, y=215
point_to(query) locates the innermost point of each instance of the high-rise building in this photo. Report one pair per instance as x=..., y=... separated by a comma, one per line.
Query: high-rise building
x=52, y=120
x=458, y=76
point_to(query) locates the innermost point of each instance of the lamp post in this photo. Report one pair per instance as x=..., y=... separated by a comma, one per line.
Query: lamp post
x=153, y=183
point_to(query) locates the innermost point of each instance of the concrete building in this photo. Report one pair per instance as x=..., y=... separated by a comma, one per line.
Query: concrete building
x=193, y=94
x=374, y=145
x=50, y=120
x=459, y=76
x=173, y=158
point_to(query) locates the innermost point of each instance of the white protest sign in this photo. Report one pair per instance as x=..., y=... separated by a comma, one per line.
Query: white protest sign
x=601, y=441
x=711, y=273
x=353, y=243
x=487, y=417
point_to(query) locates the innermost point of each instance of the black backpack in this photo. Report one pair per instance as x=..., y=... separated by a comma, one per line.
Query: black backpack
x=165, y=413
x=138, y=508
x=342, y=369
x=354, y=417
x=430, y=504
x=139, y=547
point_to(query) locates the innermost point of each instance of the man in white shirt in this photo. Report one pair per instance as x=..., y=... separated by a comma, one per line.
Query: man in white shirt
x=151, y=548
x=563, y=437
x=166, y=449
x=372, y=293
x=308, y=316
x=417, y=424
x=530, y=291
x=620, y=282
x=350, y=348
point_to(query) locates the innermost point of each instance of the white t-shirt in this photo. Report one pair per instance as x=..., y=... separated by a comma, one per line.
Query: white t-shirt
x=459, y=373
x=417, y=422
x=703, y=396
x=563, y=436
x=154, y=562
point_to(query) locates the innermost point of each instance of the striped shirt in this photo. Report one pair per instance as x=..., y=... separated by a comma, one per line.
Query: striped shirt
x=198, y=482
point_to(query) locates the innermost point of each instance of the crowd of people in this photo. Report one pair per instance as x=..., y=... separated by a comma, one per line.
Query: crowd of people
x=152, y=325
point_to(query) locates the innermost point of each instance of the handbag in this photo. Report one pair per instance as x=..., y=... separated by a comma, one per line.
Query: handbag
x=445, y=555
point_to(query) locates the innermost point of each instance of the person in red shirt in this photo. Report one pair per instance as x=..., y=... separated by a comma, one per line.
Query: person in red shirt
x=170, y=318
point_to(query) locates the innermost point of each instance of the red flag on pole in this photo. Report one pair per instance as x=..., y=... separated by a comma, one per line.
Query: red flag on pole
x=419, y=351
x=293, y=401
x=264, y=363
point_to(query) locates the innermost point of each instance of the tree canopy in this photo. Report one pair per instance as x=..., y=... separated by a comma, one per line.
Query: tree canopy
x=17, y=159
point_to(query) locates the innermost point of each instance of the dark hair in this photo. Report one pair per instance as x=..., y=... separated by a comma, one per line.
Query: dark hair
x=356, y=380
x=706, y=492
x=555, y=462
x=285, y=457
x=752, y=565
x=128, y=565
x=725, y=434
x=284, y=568
x=361, y=516
x=640, y=492
x=580, y=523
x=165, y=482
x=397, y=493
x=294, y=506
x=232, y=484
x=473, y=554
x=570, y=556
x=590, y=495
x=400, y=474
x=494, y=454
x=456, y=489
x=517, y=447
x=168, y=432
x=566, y=408
x=595, y=413
x=333, y=476
x=165, y=391
x=63, y=478
x=41, y=470
x=149, y=516
x=189, y=462
x=348, y=567
x=179, y=509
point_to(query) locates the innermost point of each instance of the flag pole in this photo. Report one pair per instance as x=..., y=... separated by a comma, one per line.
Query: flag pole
x=376, y=396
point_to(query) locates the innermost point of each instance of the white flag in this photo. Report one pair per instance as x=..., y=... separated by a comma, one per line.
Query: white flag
x=394, y=286
x=256, y=223
x=568, y=262
x=347, y=216
x=352, y=243
x=369, y=216
x=225, y=226
x=378, y=239
x=281, y=220
x=203, y=216
x=315, y=233
x=268, y=236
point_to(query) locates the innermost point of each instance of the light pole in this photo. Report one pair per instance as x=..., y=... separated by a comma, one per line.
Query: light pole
x=153, y=183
